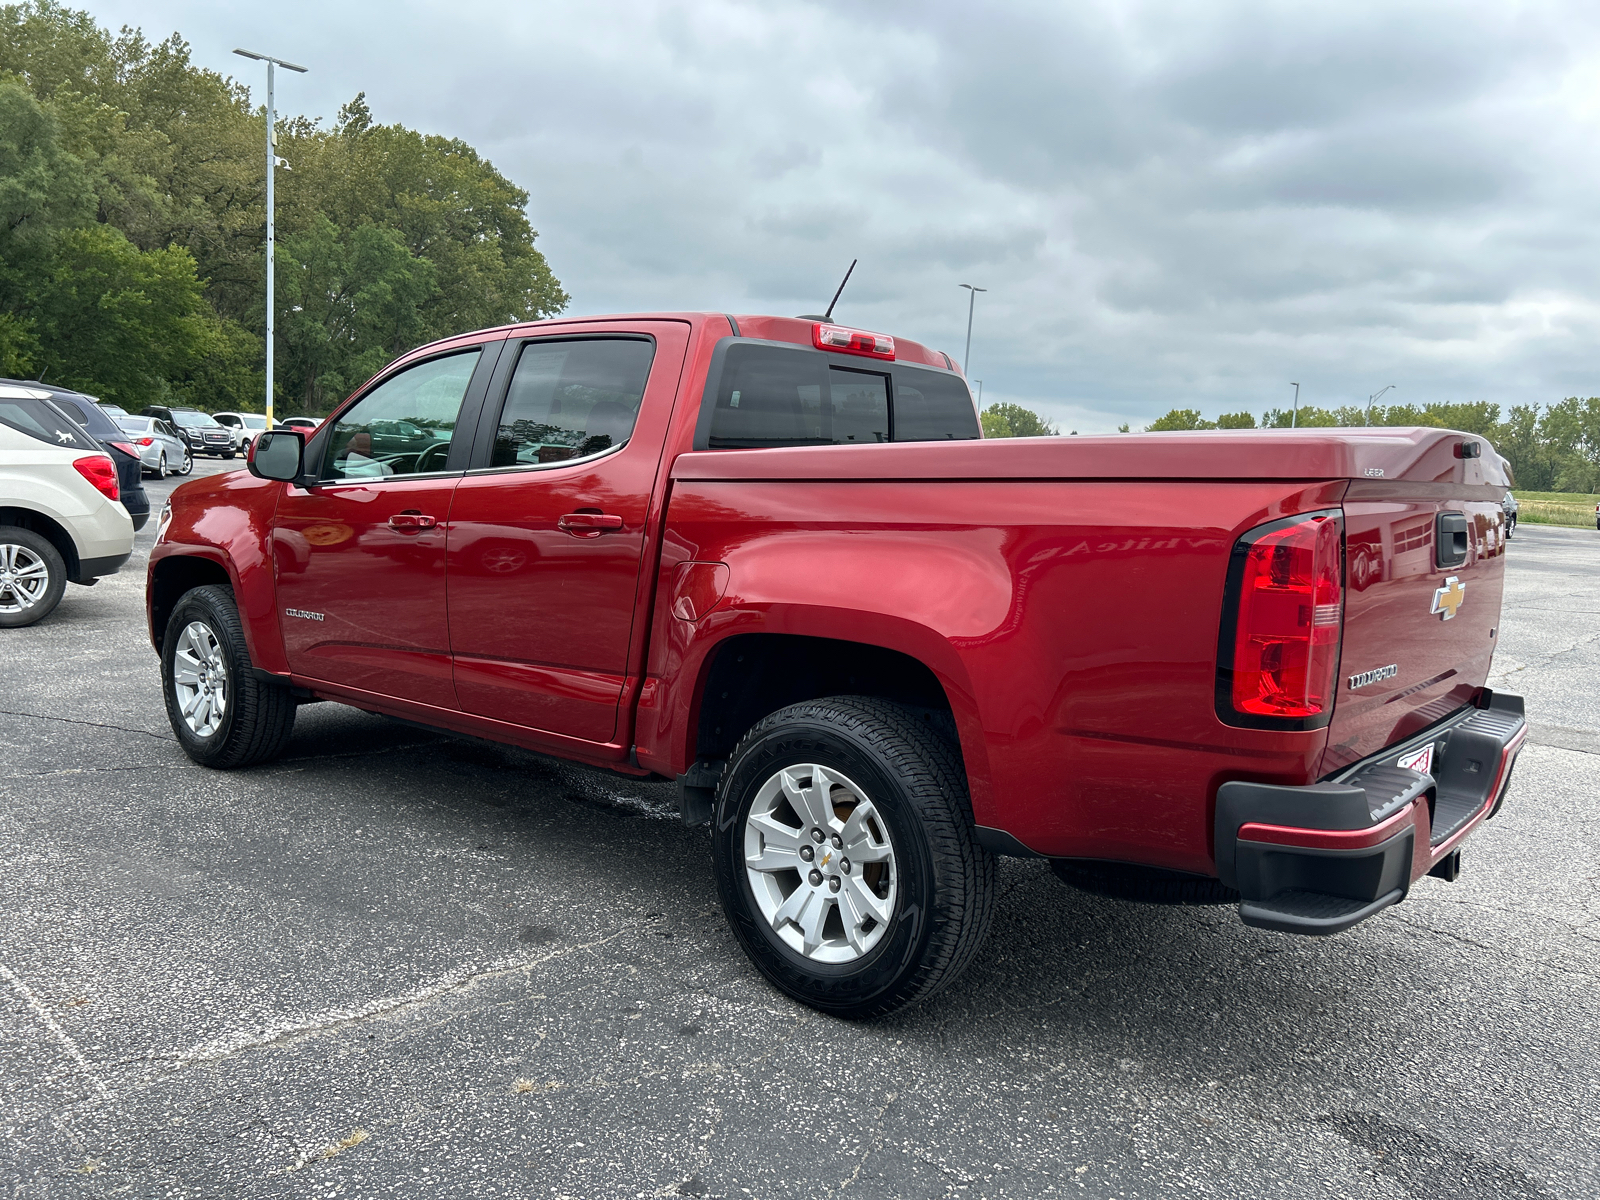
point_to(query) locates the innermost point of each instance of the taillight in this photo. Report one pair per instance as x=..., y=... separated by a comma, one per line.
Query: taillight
x=127, y=449
x=1279, y=648
x=851, y=341
x=100, y=471
x=147, y=441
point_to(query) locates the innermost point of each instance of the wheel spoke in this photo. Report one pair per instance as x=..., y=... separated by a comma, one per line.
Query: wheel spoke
x=809, y=804
x=8, y=556
x=774, y=833
x=812, y=920
x=853, y=919
x=792, y=907
x=38, y=570
x=859, y=844
x=865, y=900
x=775, y=858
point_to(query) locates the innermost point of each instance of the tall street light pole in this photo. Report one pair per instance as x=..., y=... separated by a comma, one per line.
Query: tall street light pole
x=1373, y=399
x=272, y=163
x=1294, y=419
x=972, y=299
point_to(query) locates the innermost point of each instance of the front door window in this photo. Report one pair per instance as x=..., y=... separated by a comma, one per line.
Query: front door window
x=405, y=425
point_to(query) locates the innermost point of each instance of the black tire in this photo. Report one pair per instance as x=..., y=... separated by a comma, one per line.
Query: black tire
x=1150, y=885
x=188, y=464
x=1511, y=526
x=257, y=719
x=14, y=538
x=161, y=466
x=945, y=882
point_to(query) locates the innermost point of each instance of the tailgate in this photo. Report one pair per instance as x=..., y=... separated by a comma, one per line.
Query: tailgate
x=1424, y=569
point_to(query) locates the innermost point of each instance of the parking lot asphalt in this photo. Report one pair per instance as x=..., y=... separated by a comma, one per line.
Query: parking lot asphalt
x=398, y=964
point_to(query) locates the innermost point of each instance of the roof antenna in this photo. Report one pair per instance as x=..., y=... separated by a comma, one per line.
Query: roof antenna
x=828, y=316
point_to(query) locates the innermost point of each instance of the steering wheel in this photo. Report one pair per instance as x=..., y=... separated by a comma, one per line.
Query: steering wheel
x=432, y=459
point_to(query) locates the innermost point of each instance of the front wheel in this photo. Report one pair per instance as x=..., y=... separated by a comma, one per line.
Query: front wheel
x=222, y=714
x=187, y=465
x=32, y=577
x=846, y=859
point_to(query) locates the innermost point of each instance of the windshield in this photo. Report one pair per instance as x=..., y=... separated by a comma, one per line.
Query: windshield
x=253, y=422
x=191, y=420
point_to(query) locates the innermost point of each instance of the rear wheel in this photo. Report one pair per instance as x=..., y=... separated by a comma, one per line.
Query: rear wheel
x=32, y=577
x=161, y=467
x=845, y=857
x=187, y=465
x=222, y=714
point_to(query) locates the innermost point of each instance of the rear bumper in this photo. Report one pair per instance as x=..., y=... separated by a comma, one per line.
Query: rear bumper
x=1319, y=858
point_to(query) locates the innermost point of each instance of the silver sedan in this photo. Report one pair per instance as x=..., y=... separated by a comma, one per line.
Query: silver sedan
x=161, y=450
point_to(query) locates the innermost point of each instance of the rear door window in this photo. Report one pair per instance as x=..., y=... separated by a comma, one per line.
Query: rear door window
x=776, y=396
x=571, y=399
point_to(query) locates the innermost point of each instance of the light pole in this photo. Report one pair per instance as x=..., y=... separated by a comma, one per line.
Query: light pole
x=1294, y=419
x=1374, y=398
x=272, y=162
x=972, y=299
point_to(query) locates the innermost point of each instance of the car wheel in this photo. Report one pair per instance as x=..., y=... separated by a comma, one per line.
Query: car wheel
x=161, y=467
x=223, y=715
x=845, y=855
x=188, y=464
x=32, y=577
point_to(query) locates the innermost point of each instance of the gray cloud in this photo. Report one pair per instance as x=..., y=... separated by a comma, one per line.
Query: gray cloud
x=1171, y=203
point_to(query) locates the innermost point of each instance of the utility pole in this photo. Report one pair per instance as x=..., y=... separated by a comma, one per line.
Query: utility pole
x=1294, y=419
x=272, y=163
x=972, y=299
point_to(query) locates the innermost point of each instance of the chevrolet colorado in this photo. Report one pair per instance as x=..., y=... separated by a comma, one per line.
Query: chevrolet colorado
x=774, y=559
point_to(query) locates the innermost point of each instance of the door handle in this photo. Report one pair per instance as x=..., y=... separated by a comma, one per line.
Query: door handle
x=588, y=524
x=411, y=522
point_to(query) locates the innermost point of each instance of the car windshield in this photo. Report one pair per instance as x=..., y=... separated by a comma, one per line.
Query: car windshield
x=192, y=420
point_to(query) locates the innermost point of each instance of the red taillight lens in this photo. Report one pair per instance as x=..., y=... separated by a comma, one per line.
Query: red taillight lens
x=147, y=441
x=1289, y=621
x=852, y=341
x=127, y=449
x=100, y=471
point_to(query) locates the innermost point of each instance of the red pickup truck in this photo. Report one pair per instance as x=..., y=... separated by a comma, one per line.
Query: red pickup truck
x=773, y=559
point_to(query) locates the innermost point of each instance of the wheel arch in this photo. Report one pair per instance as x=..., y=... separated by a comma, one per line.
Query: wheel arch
x=47, y=527
x=175, y=574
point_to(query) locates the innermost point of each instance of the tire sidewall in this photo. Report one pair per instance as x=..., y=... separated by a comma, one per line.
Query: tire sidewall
x=199, y=605
x=161, y=466
x=54, y=564
x=838, y=987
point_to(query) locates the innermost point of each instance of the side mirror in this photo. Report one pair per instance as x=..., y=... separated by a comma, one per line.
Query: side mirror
x=276, y=454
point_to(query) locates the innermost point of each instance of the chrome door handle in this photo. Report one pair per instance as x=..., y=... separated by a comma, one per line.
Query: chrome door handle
x=411, y=522
x=588, y=524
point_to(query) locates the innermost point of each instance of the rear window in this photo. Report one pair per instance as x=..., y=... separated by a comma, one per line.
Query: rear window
x=38, y=419
x=777, y=396
x=136, y=424
x=88, y=414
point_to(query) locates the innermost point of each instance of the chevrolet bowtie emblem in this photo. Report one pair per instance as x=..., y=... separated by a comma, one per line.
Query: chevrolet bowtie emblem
x=1448, y=599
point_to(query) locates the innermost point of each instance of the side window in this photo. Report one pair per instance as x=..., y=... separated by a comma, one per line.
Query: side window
x=930, y=407
x=571, y=399
x=405, y=425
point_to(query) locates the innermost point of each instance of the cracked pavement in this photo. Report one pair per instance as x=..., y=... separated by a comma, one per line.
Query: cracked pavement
x=393, y=964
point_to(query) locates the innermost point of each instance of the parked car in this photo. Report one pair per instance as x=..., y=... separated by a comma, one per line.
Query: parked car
x=203, y=435
x=307, y=423
x=1509, y=506
x=162, y=449
x=774, y=559
x=245, y=426
x=123, y=451
x=112, y=410
x=61, y=520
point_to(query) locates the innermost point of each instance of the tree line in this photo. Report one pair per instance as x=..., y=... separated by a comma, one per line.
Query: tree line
x=133, y=227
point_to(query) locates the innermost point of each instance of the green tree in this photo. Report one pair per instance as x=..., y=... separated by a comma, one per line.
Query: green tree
x=1180, y=418
x=1238, y=420
x=117, y=321
x=1012, y=420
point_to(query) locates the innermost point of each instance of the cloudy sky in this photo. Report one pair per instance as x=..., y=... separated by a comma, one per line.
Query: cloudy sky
x=1171, y=204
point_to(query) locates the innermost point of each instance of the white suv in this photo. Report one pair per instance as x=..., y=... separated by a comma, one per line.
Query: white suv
x=243, y=426
x=60, y=517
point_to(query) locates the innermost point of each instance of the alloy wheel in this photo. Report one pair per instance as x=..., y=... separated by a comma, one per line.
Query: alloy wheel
x=200, y=678
x=820, y=863
x=24, y=578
